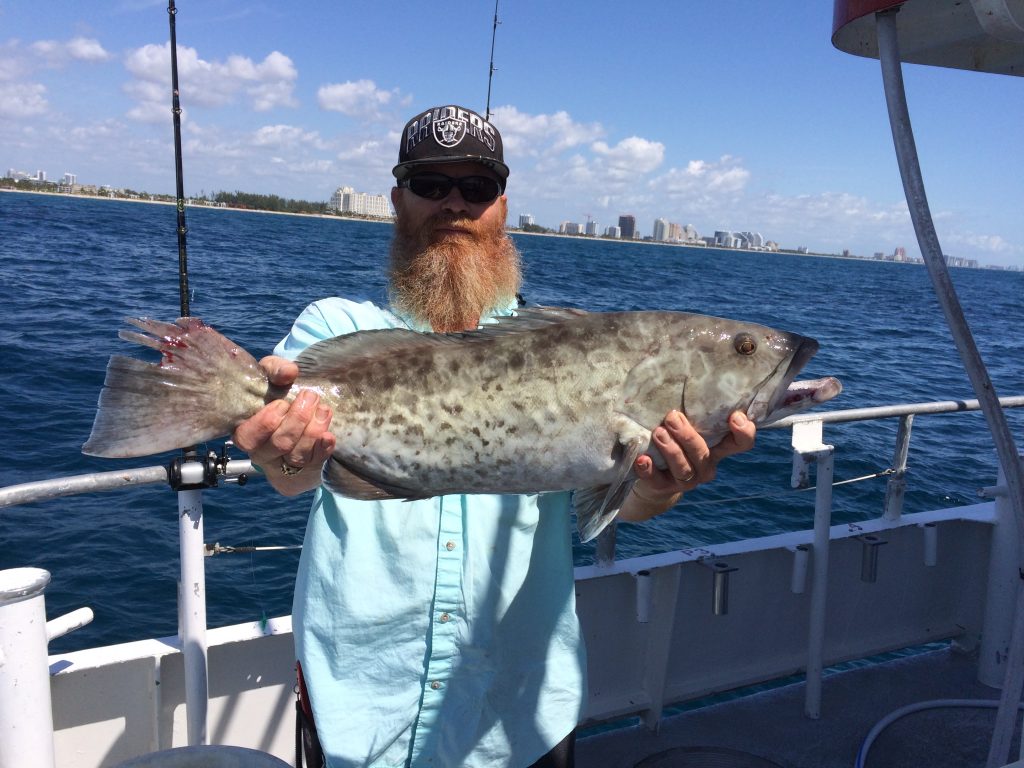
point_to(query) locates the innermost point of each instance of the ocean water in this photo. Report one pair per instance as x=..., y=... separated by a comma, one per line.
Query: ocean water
x=72, y=269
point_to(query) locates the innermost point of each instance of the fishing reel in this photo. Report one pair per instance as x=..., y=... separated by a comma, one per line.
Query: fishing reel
x=190, y=472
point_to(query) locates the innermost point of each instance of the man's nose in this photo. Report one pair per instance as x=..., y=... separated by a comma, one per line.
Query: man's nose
x=454, y=202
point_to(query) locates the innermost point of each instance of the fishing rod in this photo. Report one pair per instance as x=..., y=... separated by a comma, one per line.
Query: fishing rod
x=490, y=74
x=178, y=173
x=188, y=476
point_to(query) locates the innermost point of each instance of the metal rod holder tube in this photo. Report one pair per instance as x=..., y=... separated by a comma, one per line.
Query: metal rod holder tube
x=869, y=557
x=931, y=543
x=643, y=596
x=25, y=707
x=798, y=580
x=720, y=588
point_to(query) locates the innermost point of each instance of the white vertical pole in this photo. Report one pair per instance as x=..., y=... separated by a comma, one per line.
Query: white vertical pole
x=1001, y=593
x=26, y=717
x=819, y=583
x=192, y=612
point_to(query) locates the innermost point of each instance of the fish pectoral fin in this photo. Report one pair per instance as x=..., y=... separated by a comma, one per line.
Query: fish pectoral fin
x=596, y=507
x=342, y=479
x=653, y=387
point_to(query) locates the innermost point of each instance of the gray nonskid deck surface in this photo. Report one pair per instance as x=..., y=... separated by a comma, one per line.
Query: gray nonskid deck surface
x=772, y=725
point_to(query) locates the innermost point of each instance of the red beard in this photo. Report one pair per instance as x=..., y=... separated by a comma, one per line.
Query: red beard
x=450, y=281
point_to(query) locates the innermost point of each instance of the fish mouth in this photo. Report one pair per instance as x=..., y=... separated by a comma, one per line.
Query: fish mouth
x=791, y=396
x=782, y=396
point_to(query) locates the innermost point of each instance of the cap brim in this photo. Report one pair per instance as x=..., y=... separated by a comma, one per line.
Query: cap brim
x=402, y=170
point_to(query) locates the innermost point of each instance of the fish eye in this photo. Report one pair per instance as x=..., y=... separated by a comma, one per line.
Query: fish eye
x=745, y=344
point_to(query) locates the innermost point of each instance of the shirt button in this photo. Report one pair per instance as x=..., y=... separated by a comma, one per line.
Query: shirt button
x=450, y=546
x=435, y=685
x=445, y=617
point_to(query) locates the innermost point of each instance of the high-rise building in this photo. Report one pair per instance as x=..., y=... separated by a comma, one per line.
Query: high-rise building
x=525, y=220
x=69, y=179
x=627, y=227
x=591, y=228
x=347, y=200
x=660, y=232
x=613, y=232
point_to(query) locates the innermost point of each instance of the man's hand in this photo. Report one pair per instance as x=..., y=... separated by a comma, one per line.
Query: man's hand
x=289, y=441
x=689, y=463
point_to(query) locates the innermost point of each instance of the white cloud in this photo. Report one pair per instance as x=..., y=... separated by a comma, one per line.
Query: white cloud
x=994, y=244
x=533, y=135
x=22, y=100
x=703, y=180
x=55, y=53
x=371, y=150
x=268, y=84
x=630, y=157
x=361, y=99
x=86, y=49
x=286, y=136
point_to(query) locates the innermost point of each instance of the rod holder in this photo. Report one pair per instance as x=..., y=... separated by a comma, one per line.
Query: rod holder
x=720, y=571
x=869, y=557
x=931, y=543
x=643, y=596
x=798, y=579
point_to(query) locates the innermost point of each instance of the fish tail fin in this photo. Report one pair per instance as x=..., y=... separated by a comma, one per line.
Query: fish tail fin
x=203, y=386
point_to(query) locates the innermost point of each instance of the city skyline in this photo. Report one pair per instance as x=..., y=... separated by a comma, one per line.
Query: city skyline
x=346, y=199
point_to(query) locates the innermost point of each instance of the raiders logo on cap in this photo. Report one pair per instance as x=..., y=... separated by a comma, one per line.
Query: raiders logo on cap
x=450, y=134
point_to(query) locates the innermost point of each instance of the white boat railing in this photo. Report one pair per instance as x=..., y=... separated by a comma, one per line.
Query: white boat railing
x=32, y=737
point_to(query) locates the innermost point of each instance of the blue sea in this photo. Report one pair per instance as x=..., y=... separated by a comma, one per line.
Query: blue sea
x=71, y=269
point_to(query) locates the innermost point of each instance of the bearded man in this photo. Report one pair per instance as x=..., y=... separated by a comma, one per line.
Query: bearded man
x=442, y=631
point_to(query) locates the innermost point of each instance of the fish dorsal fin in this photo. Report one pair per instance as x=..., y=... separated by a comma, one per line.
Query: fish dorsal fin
x=525, y=319
x=343, y=352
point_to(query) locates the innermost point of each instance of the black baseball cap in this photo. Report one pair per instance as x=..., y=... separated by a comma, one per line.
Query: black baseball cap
x=450, y=134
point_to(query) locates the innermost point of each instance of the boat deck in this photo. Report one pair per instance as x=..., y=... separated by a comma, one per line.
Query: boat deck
x=771, y=725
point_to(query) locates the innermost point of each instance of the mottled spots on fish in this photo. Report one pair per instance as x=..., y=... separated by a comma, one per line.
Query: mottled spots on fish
x=378, y=421
x=498, y=388
x=396, y=419
x=445, y=426
x=516, y=360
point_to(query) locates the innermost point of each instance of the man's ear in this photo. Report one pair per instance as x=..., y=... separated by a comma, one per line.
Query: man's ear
x=396, y=195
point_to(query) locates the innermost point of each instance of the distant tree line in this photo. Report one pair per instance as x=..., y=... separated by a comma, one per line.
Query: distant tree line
x=267, y=203
x=536, y=228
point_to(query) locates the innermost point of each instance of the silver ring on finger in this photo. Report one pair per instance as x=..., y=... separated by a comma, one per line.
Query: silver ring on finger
x=288, y=469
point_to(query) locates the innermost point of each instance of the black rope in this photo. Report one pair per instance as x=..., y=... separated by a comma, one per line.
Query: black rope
x=179, y=175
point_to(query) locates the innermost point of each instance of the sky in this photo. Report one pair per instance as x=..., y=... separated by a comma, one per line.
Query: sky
x=733, y=115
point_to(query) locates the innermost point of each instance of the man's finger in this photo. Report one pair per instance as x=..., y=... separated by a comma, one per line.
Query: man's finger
x=741, y=438
x=255, y=431
x=281, y=371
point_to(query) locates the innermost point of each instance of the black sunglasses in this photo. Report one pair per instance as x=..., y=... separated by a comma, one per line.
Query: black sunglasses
x=437, y=186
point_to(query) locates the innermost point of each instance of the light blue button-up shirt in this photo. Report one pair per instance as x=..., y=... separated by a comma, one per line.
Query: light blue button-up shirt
x=438, y=632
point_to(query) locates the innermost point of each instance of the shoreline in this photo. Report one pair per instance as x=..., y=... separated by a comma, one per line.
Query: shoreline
x=593, y=238
x=173, y=204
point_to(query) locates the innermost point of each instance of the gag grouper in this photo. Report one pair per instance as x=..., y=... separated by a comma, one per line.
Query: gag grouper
x=552, y=399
